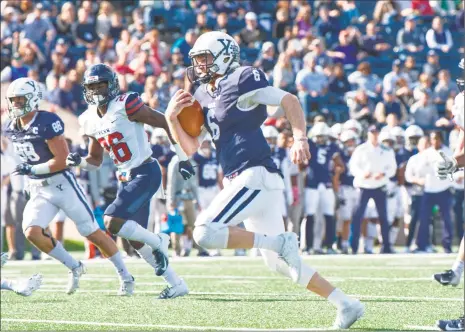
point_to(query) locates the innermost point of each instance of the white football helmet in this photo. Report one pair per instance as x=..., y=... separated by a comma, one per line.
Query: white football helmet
x=225, y=53
x=413, y=131
x=353, y=125
x=319, y=132
x=336, y=130
x=386, y=136
x=27, y=88
x=159, y=136
x=347, y=135
x=397, y=132
x=270, y=132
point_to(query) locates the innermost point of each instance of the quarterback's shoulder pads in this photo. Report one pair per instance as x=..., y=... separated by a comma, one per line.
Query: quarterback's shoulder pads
x=251, y=79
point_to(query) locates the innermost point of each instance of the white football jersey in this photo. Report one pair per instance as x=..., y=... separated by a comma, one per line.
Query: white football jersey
x=458, y=110
x=126, y=141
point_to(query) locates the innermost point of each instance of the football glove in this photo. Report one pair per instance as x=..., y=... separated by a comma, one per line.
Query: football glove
x=73, y=159
x=23, y=169
x=186, y=169
x=447, y=166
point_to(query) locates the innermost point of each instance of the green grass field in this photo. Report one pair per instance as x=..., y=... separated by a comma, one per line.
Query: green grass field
x=232, y=294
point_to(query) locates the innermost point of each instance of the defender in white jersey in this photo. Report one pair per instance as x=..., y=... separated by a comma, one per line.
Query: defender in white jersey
x=115, y=123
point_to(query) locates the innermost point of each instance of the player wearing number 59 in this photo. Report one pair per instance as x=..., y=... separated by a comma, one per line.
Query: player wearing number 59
x=233, y=99
x=37, y=137
x=115, y=122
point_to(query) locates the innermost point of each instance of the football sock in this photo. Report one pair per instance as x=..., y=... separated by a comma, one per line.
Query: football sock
x=309, y=232
x=393, y=232
x=171, y=277
x=135, y=232
x=458, y=267
x=345, y=244
x=338, y=298
x=368, y=243
x=60, y=254
x=120, y=267
x=269, y=242
x=7, y=284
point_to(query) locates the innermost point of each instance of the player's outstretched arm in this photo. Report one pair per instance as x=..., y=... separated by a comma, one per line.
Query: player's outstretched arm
x=180, y=100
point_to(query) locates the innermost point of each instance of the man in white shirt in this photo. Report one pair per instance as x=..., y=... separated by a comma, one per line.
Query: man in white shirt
x=372, y=164
x=437, y=192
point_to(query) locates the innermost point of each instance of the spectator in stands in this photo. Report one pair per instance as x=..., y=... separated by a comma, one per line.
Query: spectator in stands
x=177, y=61
x=84, y=32
x=222, y=23
x=445, y=88
x=144, y=62
x=77, y=90
x=372, y=43
x=438, y=38
x=410, y=68
x=266, y=60
x=303, y=24
x=386, y=12
x=91, y=8
x=389, y=105
x=106, y=50
x=202, y=23
x=116, y=25
x=363, y=79
x=349, y=12
x=312, y=85
x=345, y=51
x=317, y=47
x=33, y=58
x=361, y=108
x=425, y=85
x=391, y=78
x=432, y=66
x=404, y=94
x=410, y=38
x=66, y=20
x=281, y=23
x=283, y=74
x=185, y=44
x=423, y=112
x=150, y=89
x=338, y=84
x=8, y=26
x=62, y=96
x=252, y=33
x=91, y=58
x=139, y=30
x=326, y=26
x=36, y=28
x=125, y=46
x=460, y=18
x=15, y=70
x=138, y=83
x=422, y=7
x=443, y=8
x=164, y=85
x=104, y=19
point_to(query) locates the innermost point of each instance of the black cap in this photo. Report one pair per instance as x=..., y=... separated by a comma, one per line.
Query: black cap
x=373, y=128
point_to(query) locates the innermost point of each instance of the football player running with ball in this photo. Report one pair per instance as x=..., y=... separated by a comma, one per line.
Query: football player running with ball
x=234, y=99
x=38, y=139
x=115, y=123
x=446, y=168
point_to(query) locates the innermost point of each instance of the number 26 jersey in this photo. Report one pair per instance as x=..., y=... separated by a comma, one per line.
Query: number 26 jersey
x=30, y=142
x=126, y=141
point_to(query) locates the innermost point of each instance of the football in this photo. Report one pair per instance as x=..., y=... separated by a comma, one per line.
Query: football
x=191, y=119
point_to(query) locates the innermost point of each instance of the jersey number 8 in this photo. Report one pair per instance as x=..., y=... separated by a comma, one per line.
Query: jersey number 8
x=120, y=150
x=26, y=151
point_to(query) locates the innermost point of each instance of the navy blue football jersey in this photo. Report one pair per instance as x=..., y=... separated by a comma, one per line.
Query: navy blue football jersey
x=237, y=135
x=30, y=142
x=278, y=155
x=319, y=170
x=207, y=169
x=163, y=154
x=402, y=156
x=346, y=178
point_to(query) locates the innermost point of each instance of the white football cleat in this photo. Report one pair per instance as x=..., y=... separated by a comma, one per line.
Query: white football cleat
x=73, y=278
x=161, y=254
x=27, y=287
x=289, y=253
x=174, y=291
x=4, y=258
x=126, y=287
x=349, y=314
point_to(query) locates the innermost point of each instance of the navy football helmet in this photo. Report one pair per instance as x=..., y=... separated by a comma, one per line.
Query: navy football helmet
x=96, y=94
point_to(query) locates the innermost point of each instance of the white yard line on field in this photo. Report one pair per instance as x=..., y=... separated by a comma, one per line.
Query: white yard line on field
x=248, y=294
x=421, y=328
x=162, y=326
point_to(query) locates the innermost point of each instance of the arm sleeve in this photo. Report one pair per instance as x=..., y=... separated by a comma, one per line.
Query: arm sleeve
x=133, y=103
x=54, y=126
x=270, y=96
x=430, y=40
x=353, y=164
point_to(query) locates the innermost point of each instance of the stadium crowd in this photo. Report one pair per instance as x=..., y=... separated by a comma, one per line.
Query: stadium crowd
x=355, y=65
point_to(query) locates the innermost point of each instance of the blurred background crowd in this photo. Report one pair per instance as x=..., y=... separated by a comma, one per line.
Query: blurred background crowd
x=388, y=63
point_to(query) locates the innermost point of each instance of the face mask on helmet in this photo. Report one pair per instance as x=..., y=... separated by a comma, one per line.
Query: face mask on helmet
x=97, y=93
x=203, y=68
x=350, y=145
x=413, y=141
x=320, y=139
x=18, y=106
x=388, y=143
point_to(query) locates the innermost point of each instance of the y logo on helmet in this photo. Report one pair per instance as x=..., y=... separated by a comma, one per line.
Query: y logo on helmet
x=31, y=83
x=226, y=43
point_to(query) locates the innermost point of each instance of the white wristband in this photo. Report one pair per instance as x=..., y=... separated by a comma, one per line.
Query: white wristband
x=87, y=166
x=40, y=169
x=181, y=154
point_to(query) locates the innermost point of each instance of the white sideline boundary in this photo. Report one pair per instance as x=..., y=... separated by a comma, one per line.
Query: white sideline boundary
x=162, y=326
x=421, y=328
